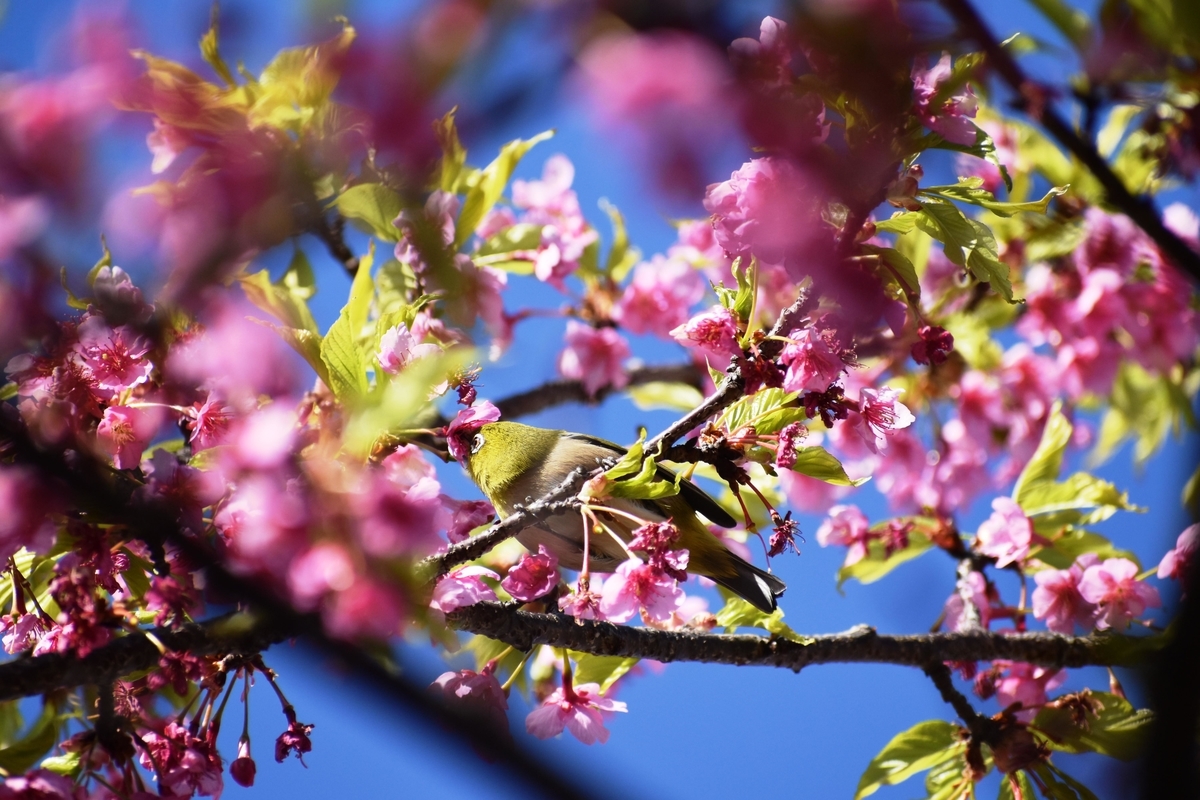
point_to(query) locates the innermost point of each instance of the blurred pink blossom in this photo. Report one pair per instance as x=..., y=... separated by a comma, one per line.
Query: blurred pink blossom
x=1057, y=599
x=594, y=356
x=462, y=587
x=1119, y=597
x=947, y=116
x=1178, y=560
x=846, y=525
x=576, y=709
x=658, y=298
x=1007, y=534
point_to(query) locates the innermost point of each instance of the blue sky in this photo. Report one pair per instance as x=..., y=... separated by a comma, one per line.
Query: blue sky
x=694, y=730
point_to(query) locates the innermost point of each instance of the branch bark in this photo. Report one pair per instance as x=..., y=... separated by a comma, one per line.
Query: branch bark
x=1139, y=209
x=524, y=629
x=555, y=393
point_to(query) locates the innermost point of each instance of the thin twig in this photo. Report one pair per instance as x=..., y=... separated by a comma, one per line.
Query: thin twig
x=1139, y=209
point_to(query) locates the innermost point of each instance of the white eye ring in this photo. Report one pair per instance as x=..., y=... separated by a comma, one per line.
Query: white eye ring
x=476, y=443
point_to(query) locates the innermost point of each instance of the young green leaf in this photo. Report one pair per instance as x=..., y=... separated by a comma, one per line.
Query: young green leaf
x=454, y=155
x=374, y=206
x=22, y=754
x=603, y=670
x=737, y=613
x=908, y=753
x=487, y=190
x=1115, y=729
x=817, y=462
x=1047, y=459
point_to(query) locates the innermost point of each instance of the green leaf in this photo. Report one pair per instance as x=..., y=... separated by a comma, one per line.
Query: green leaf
x=737, y=613
x=454, y=155
x=901, y=222
x=1118, y=730
x=1144, y=407
x=1190, y=498
x=1074, y=542
x=106, y=260
x=10, y=722
x=817, y=462
x=621, y=257
x=20, y=756
x=307, y=344
x=374, y=206
x=1078, y=492
x=210, y=51
x=661, y=394
x=757, y=409
x=900, y=270
x=631, y=462
x=877, y=563
x=513, y=249
x=603, y=670
x=490, y=185
x=9, y=390
x=340, y=351
x=968, y=243
x=1047, y=459
x=79, y=304
x=908, y=753
x=1071, y=22
x=67, y=764
x=1061, y=786
x=287, y=299
x=970, y=190
x=1024, y=786
x=137, y=576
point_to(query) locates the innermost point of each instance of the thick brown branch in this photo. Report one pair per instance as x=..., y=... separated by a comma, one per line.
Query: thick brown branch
x=234, y=633
x=524, y=629
x=939, y=673
x=333, y=235
x=1140, y=210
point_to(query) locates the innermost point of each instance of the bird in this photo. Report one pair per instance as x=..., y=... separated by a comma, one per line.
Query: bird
x=513, y=464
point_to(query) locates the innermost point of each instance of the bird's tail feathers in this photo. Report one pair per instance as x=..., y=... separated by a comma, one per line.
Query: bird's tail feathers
x=756, y=586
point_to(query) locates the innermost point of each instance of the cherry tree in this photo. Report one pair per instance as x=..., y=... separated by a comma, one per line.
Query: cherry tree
x=192, y=470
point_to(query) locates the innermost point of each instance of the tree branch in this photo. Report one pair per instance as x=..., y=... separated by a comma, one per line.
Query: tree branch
x=234, y=633
x=524, y=629
x=554, y=393
x=333, y=235
x=1139, y=209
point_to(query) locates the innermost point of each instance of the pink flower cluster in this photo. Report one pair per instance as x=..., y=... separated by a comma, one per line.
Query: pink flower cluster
x=950, y=114
x=553, y=205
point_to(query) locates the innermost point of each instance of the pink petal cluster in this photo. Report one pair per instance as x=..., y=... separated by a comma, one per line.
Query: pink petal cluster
x=814, y=360
x=768, y=57
x=594, y=356
x=880, y=415
x=466, y=423
x=638, y=587
x=659, y=296
x=1007, y=534
x=950, y=115
x=187, y=764
x=466, y=516
x=438, y=216
x=576, y=709
x=462, y=587
x=1026, y=684
x=767, y=208
x=125, y=431
x=398, y=348
x=713, y=332
x=1178, y=561
x=553, y=204
x=367, y=609
x=1112, y=586
x=478, y=692
x=1057, y=599
x=533, y=576
x=398, y=521
x=846, y=525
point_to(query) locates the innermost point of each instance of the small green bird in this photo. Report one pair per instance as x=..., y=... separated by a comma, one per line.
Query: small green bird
x=515, y=464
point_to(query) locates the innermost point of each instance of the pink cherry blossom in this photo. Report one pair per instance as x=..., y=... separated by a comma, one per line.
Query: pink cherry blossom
x=813, y=360
x=23, y=633
x=210, y=423
x=478, y=692
x=262, y=440
x=398, y=348
x=847, y=526
x=398, y=521
x=766, y=57
x=594, y=356
x=115, y=356
x=584, y=601
x=553, y=205
x=949, y=115
x=934, y=346
x=881, y=414
x=125, y=431
x=713, y=332
x=165, y=143
x=438, y=215
x=640, y=587
x=188, y=764
x=406, y=466
x=1007, y=534
x=323, y=568
x=767, y=208
x=462, y=587
x=1057, y=599
x=39, y=784
x=533, y=577
x=1026, y=684
x=368, y=609
x=21, y=220
x=1119, y=597
x=659, y=296
x=465, y=424
x=466, y=516
x=242, y=769
x=576, y=709
x=792, y=435
x=1178, y=561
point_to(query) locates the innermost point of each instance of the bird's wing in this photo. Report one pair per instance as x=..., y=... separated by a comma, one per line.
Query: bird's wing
x=693, y=494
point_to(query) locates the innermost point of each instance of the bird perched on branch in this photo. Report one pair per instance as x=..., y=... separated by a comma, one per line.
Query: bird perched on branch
x=515, y=464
